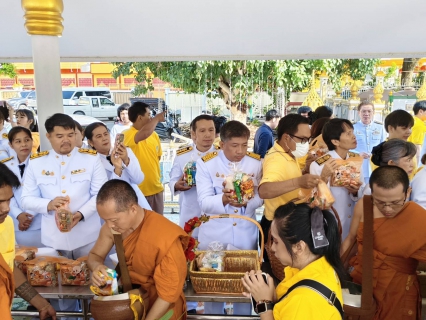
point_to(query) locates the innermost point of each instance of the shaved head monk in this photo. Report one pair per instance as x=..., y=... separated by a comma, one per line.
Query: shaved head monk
x=399, y=245
x=153, y=247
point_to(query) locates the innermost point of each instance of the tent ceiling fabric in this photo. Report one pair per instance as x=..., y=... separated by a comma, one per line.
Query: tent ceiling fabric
x=130, y=30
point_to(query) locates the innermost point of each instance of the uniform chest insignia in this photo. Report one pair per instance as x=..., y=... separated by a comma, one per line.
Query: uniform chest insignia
x=48, y=173
x=217, y=174
x=7, y=159
x=39, y=155
x=353, y=154
x=209, y=156
x=4, y=136
x=88, y=151
x=253, y=155
x=183, y=150
x=78, y=171
x=323, y=159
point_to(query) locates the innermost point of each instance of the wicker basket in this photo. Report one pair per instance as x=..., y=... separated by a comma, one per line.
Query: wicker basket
x=237, y=263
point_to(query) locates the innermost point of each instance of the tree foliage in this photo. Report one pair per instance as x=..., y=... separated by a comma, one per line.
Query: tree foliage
x=236, y=81
x=7, y=69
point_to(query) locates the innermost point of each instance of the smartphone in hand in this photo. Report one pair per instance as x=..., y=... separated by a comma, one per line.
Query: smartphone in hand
x=119, y=138
x=254, y=302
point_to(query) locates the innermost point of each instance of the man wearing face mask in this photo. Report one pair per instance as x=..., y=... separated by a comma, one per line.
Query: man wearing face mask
x=282, y=177
x=339, y=136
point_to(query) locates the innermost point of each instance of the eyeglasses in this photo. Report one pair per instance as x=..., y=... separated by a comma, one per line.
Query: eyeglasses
x=302, y=140
x=393, y=205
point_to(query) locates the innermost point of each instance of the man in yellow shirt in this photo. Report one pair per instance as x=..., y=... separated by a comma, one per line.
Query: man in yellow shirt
x=282, y=176
x=419, y=129
x=9, y=280
x=145, y=144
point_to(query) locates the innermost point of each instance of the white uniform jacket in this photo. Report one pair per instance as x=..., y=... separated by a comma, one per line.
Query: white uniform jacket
x=4, y=145
x=345, y=201
x=132, y=174
x=418, y=194
x=188, y=202
x=78, y=175
x=15, y=203
x=211, y=172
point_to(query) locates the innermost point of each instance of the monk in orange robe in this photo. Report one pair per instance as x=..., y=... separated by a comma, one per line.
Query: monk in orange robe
x=153, y=247
x=399, y=245
x=7, y=288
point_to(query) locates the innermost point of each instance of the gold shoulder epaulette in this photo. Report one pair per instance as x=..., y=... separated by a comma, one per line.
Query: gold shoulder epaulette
x=253, y=155
x=209, y=156
x=88, y=151
x=323, y=159
x=39, y=155
x=183, y=150
x=217, y=147
x=7, y=159
x=353, y=154
x=4, y=136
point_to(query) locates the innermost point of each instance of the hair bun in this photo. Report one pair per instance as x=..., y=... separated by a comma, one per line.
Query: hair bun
x=376, y=154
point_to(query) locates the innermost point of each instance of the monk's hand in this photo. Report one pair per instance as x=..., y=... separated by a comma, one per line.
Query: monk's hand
x=76, y=218
x=256, y=287
x=181, y=185
x=99, y=275
x=25, y=220
x=47, y=312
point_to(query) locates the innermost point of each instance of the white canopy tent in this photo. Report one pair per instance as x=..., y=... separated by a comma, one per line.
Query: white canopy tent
x=130, y=30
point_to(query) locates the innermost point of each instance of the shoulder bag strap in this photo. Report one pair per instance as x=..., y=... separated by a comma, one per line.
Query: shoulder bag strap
x=367, y=254
x=318, y=287
x=124, y=271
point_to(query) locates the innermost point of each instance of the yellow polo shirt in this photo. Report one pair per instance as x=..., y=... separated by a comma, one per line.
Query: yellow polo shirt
x=417, y=131
x=279, y=166
x=148, y=153
x=7, y=241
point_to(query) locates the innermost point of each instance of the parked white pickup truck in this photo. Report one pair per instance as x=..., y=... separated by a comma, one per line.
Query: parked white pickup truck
x=98, y=107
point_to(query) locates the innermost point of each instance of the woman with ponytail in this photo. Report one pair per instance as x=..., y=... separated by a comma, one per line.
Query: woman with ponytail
x=308, y=242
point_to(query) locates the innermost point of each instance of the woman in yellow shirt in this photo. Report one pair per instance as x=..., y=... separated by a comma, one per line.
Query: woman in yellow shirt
x=308, y=258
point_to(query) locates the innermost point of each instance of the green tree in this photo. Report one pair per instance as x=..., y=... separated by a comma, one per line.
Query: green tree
x=236, y=81
x=7, y=69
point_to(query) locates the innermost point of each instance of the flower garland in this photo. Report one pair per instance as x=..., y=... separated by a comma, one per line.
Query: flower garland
x=189, y=227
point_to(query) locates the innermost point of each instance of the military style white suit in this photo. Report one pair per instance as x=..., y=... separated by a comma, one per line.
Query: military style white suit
x=345, y=201
x=188, y=201
x=78, y=175
x=211, y=172
x=32, y=236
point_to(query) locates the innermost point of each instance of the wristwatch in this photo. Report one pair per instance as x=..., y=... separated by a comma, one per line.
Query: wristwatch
x=263, y=306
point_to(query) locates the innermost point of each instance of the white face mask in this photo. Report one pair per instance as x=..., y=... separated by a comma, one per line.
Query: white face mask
x=301, y=150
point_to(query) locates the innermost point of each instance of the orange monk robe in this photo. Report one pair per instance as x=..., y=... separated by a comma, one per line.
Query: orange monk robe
x=156, y=260
x=399, y=245
x=6, y=289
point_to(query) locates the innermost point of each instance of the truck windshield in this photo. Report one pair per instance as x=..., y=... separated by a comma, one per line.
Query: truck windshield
x=67, y=94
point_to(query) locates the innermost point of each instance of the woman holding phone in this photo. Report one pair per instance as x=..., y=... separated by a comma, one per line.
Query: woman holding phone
x=308, y=242
x=120, y=162
x=27, y=224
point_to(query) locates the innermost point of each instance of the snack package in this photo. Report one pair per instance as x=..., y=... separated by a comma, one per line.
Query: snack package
x=42, y=272
x=75, y=272
x=111, y=285
x=348, y=174
x=320, y=196
x=63, y=217
x=23, y=254
x=189, y=172
x=241, y=186
x=213, y=260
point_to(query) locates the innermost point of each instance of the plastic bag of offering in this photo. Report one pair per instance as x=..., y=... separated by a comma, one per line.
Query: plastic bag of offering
x=348, y=174
x=189, y=172
x=320, y=196
x=42, y=272
x=319, y=152
x=214, y=258
x=75, y=272
x=63, y=217
x=241, y=186
x=110, y=287
x=23, y=254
